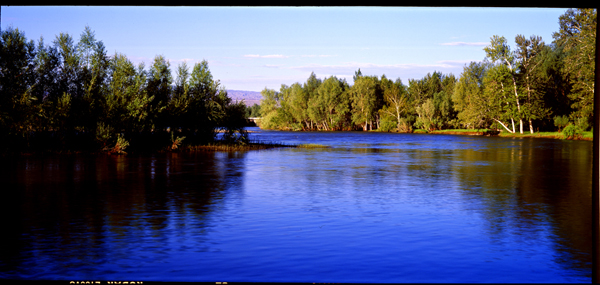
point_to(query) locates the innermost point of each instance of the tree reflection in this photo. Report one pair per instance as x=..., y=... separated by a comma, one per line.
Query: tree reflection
x=88, y=210
x=531, y=185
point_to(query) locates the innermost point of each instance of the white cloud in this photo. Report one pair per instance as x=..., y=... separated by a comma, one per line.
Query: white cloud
x=315, y=55
x=266, y=56
x=465, y=44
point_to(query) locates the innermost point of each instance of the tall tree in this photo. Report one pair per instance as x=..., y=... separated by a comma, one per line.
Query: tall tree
x=363, y=94
x=127, y=102
x=159, y=87
x=468, y=97
x=334, y=102
x=396, y=99
x=576, y=37
x=86, y=46
x=17, y=74
x=180, y=100
x=499, y=51
x=298, y=102
x=268, y=108
x=70, y=76
x=310, y=87
x=499, y=101
x=528, y=54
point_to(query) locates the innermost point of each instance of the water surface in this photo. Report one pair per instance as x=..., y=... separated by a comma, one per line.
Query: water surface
x=373, y=207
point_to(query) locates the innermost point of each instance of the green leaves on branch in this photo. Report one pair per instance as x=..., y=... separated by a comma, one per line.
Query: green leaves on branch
x=577, y=39
x=75, y=92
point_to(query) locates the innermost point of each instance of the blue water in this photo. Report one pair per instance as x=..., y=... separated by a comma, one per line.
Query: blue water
x=372, y=208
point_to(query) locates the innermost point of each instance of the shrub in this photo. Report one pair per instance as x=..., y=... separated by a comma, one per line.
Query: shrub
x=387, y=125
x=119, y=147
x=560, y=122
x=176, y=142
x=572, y=132
x=405, y=125
x=103, y=134
x=582, y=124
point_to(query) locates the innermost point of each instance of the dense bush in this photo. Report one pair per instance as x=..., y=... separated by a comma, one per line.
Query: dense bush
x=572, y=132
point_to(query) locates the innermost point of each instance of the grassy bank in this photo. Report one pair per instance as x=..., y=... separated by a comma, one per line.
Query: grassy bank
x=550, y=135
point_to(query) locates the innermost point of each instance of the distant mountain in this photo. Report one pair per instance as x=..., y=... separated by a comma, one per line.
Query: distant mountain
x=249, y=97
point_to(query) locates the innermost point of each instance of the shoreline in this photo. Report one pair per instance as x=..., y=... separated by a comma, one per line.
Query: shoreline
x=486, y=133
x=517, y=135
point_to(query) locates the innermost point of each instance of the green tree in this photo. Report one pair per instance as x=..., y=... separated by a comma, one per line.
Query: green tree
x=159, y=87
x=86, y=47
x=576, y=37
x=70, y=75
x=396, y=100
x=17, y=74
x=204, y=111
x=528, y=54
x=363, y=95
x=426, y=119
x=128, y=106
x=253, y=111
x=180, y=101
x=499, y=99
x=95, y=86
x=468, y=98
x=298, y=102
x=499, y=51
x=269, y=105
x=310, y=87
x=334, y=101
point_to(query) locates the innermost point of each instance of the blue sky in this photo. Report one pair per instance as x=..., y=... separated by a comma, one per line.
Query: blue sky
x=252, y=48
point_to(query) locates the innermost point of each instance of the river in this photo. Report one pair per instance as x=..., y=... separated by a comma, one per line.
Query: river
x=370, y=208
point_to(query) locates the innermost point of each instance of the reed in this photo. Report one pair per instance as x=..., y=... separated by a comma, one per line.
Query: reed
x=232, y=147
x=311, y=145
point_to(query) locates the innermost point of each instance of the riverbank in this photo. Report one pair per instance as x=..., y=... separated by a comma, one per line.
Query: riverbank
x=588, y=136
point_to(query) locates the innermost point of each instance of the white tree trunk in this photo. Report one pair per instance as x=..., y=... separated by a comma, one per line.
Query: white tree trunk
x=521, y=125
x=513, y=131
x=530, y=127
x=513, y=125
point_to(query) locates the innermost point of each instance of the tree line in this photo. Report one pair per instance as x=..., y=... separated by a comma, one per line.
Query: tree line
x=533, y=86
x=73, y=95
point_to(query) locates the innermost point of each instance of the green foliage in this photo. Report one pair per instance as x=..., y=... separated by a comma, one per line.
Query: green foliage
x=387, y=125
x=582, y=124
x=405, y=125
x=18, y=105
x=82, y=98
x=560, y=122
x=253, y=111
x=234, y=122
x=176, y=142
x=80, y=94
x=468, y=97
x=576, y=38
x=426, y=119
x=104, y=133
x=572, y=132
x=364, y=100
x=119, y=147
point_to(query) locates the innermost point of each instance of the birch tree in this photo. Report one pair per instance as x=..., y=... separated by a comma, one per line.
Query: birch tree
x=529, y=58
x=396, y=100
x=499, y=51
x=363, y=100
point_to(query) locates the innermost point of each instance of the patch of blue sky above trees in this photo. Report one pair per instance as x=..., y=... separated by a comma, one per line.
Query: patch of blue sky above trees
x=250, y=48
